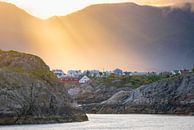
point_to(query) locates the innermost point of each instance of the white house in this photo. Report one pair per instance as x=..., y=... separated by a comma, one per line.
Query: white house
x=176, y=72
x=84, y=79
x=94, y=73
x=74, y=73
x=118, y=72
x=59, y=73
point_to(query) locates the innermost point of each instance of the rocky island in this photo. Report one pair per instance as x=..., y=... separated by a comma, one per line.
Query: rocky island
x=31, y=94
x=173, y=95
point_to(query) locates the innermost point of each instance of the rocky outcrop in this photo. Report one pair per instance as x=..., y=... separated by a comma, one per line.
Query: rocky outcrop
x=171, y=96
x=95, y=92
x=29, y=92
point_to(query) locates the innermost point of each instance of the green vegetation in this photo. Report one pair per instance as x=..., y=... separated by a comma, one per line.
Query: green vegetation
x=47, y=76
x=13, y=69
x=128, y=81
x=22, y=63
x=42, y=74
x=137, y=81
x=193, y=70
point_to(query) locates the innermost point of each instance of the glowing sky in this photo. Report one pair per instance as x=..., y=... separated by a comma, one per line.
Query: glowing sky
x=48, y=8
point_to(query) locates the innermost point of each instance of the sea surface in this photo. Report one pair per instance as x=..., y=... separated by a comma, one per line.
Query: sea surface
x=118, y=122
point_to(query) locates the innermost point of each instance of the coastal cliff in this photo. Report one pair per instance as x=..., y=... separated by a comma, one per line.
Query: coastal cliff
x=173, y=95
x=31, y=94
x=170, y=96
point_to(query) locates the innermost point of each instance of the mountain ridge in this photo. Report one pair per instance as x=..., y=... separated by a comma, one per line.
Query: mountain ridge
x=136, y=36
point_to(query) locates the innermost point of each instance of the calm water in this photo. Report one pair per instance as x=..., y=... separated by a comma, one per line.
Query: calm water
x=118, y=122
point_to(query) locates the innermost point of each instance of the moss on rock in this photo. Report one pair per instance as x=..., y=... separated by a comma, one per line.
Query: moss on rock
x=30, y=93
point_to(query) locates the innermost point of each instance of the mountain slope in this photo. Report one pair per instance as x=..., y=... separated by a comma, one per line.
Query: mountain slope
x=161, y=37
x=124, y=35
x=15, y=28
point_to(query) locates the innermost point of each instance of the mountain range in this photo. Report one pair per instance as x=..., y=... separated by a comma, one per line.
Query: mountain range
x=125, y=35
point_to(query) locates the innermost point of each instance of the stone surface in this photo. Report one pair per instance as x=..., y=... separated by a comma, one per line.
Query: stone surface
x=171, y=96
x=29, y=92
x=94, y=93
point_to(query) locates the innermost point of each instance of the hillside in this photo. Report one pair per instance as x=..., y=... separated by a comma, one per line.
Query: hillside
x=154, y=37
x=138, y=37
x=16, y=26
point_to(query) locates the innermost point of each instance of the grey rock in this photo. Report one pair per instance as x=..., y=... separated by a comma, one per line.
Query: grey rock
x=171, y=96
x=30, y=94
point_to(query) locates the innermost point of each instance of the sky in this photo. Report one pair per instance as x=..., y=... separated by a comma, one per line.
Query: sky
x=48, y=8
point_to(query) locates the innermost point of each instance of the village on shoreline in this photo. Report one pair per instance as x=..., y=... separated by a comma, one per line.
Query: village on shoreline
x=82, y=77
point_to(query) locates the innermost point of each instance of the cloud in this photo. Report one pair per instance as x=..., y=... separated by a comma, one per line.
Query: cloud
x=165, y=2
x=186, y=6
x=182, y=4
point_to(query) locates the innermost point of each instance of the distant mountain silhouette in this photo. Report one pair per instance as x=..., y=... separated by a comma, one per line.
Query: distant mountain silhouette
x=15, y=26
x=144, y=37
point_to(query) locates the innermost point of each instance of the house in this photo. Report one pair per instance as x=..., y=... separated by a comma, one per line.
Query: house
x=165, y=74
x=84, y=79
x=106, y=74
x=94, y=73
x=176, y=72
x=59, y=73
x=69, y=80
x=118, y=72
x=86, y=72
x=185, y=71
x=152, y=73
x=74, y=73
x=127, y=73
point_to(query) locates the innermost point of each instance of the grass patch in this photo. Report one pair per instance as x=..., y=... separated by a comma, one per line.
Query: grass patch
x=132, y=81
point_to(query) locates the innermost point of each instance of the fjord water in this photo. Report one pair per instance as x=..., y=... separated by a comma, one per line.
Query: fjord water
x=118, y=122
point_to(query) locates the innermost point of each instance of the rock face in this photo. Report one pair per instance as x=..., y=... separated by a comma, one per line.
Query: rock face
x=95, y=92
x=172, y=96
x=30, y=94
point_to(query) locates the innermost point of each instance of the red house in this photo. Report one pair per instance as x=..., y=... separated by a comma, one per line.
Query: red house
x=185, y=71
x=69, y=80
